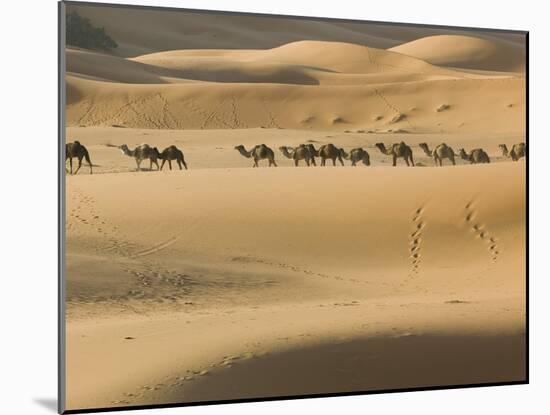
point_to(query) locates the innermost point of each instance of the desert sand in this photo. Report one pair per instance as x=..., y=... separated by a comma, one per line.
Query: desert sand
x=230, y=282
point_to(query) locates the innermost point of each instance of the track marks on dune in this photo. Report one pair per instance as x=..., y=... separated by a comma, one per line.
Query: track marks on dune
x=212, y=117
x=272, y=120
x=399, y=115
x=147, y=392
x=155, y=248
x=415, y=240
x=295, y=268
x=85, y=213
x=152, y=111
x=157, y=283
x=85, y=216
x=237, y=122
x=471, y=217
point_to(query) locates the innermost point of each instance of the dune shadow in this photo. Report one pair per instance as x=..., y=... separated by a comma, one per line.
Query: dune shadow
x=368, y=364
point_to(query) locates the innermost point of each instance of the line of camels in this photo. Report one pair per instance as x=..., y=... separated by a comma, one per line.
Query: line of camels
x=305, y=152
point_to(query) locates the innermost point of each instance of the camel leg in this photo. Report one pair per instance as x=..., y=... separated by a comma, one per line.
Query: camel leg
x=274, y=164
x=341, y=161
x=79, y=165
x=179, y=163
x=184, y=165
x=334, y=162
x=412, y=161
x=307, y=162
x=313, y=161
x=406, y=161
x=138, y=162
x=394, y=161
x=170, y=164
x=453, y=161
x=71, y=164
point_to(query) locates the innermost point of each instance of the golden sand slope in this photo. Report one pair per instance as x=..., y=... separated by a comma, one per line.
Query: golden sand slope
x=300, y=85
x=473, y=105
x=467, y=52
x=292, y=280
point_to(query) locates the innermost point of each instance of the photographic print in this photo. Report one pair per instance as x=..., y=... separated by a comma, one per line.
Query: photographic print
x=258, y=207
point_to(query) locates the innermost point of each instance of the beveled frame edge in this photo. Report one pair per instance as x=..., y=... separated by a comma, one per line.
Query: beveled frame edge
x=61, y=131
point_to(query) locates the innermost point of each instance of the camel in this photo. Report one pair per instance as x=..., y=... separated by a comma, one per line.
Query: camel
x=140, y=153
x=476, y=156
x=358, y=155
x=169, y=154
x=302, y=152
x=397, y=150
x=518, y=151
x=77, y=150
x=440, y=152
x=259, y=152
x=313, y=151
x=327, y=151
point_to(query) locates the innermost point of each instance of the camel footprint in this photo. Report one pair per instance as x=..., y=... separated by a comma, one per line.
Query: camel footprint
x=296, y=269
x=481, y=230
x=415, y=240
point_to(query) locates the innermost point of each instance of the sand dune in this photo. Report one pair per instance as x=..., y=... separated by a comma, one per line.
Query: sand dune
x=300, y=85
x=306, y=62
x=499, y=105
x=252, y=250
x=330, y=57
x=467, y=52
x=166, y=30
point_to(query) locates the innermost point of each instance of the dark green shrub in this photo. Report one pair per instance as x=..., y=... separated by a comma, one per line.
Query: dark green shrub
x=81, y=32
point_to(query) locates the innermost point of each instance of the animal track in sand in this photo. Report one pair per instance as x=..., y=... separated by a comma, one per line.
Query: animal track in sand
x=295, y=269
x=481, y=230
x=155, y=248
x=272, y=120
x=84, y=214
x=193, y=374
x=415, y=240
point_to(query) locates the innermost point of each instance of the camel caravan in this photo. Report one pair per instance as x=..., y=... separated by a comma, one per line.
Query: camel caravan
x=146, y=152
x=303, y=152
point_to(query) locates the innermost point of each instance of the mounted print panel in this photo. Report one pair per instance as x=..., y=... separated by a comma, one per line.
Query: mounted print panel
x=258, y=207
